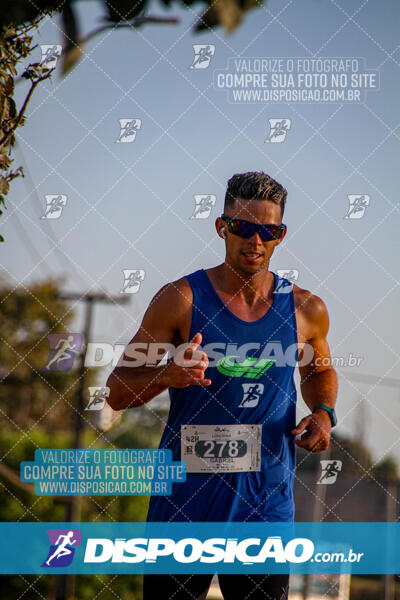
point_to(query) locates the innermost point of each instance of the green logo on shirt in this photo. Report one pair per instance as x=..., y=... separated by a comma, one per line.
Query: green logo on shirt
x=251, y=367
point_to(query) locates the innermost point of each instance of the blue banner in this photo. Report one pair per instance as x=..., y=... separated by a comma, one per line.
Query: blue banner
x=363, y=548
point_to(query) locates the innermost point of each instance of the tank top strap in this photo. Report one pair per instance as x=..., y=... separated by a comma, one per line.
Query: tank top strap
x=203, y=293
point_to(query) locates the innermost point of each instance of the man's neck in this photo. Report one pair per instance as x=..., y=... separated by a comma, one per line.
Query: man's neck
x=249, y=286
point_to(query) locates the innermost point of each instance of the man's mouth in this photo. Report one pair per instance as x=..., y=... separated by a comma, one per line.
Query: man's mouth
x=252, y=256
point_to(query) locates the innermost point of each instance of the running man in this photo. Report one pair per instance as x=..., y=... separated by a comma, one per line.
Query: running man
x=233, y=306
x=331, y=470
x=62, y=549
x=64, y=348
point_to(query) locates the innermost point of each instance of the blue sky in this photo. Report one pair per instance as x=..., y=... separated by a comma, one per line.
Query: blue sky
x=129, y=205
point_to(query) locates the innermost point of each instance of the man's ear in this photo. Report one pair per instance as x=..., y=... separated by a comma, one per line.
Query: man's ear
x=220, y=227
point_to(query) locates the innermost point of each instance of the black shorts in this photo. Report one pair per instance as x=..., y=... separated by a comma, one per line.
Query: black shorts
x=233, y=587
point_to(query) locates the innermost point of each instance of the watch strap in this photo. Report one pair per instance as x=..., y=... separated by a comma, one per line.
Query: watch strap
x=330, y=411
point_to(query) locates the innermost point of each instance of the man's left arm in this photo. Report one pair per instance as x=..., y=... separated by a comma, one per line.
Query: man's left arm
x=319, y=382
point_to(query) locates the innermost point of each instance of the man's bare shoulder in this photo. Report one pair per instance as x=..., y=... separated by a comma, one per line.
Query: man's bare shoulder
x=168, y=315
x=176, y=294
x=312, y=310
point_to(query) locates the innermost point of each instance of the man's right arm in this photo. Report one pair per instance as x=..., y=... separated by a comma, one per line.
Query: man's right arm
x=133, y=386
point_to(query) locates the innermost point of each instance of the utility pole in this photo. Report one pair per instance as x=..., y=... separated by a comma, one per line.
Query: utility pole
x=66, y=586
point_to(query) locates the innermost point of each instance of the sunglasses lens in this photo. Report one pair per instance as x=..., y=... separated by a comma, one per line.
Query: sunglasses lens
x=241, y=228
x=270, y=232
x=245, y=230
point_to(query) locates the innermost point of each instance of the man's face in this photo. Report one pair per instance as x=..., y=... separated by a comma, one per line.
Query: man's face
x=250, y=255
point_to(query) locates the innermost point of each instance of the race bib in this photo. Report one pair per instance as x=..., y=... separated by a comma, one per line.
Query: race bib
x=221, y=448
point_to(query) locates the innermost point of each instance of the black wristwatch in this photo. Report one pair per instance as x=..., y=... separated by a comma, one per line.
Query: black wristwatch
x=330, y=411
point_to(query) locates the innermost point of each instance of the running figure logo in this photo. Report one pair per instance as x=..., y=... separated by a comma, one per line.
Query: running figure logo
x=252, y=393
x=330, y=470
x=202, y=56
x=203, y=205
x=98, y=397
x=278, y=129
x=133, y=279
x=128, y=129
x=63, y=348
x=50, y=54
x=54, y=205
x=63, y=543
x=357, y=205
x=290, y=275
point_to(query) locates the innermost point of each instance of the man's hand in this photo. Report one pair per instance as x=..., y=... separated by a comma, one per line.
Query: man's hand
x=317, y=428
x=187, y=366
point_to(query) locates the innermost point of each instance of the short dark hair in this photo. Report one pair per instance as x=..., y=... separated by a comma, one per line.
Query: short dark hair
x=255, y=185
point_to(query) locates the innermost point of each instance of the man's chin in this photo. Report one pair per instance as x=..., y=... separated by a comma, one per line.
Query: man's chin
x=252, y=268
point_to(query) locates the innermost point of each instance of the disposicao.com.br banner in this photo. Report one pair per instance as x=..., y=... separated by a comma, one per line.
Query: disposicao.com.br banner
x=183, y=547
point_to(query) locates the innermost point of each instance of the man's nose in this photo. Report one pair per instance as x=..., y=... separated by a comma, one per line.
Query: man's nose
x=255, y=239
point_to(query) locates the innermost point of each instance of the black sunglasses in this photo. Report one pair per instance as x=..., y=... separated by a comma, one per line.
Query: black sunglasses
x=246, y=229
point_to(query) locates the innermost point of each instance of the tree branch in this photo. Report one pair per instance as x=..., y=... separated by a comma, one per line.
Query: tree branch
x=138, y=22
x=23, y=108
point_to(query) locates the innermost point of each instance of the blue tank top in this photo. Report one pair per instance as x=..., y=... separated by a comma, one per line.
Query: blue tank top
x=235, y=396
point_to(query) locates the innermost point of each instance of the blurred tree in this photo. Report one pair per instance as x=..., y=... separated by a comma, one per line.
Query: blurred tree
x=386, y=470
x=15, y=45
x=28, y=394
x=227, y=13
